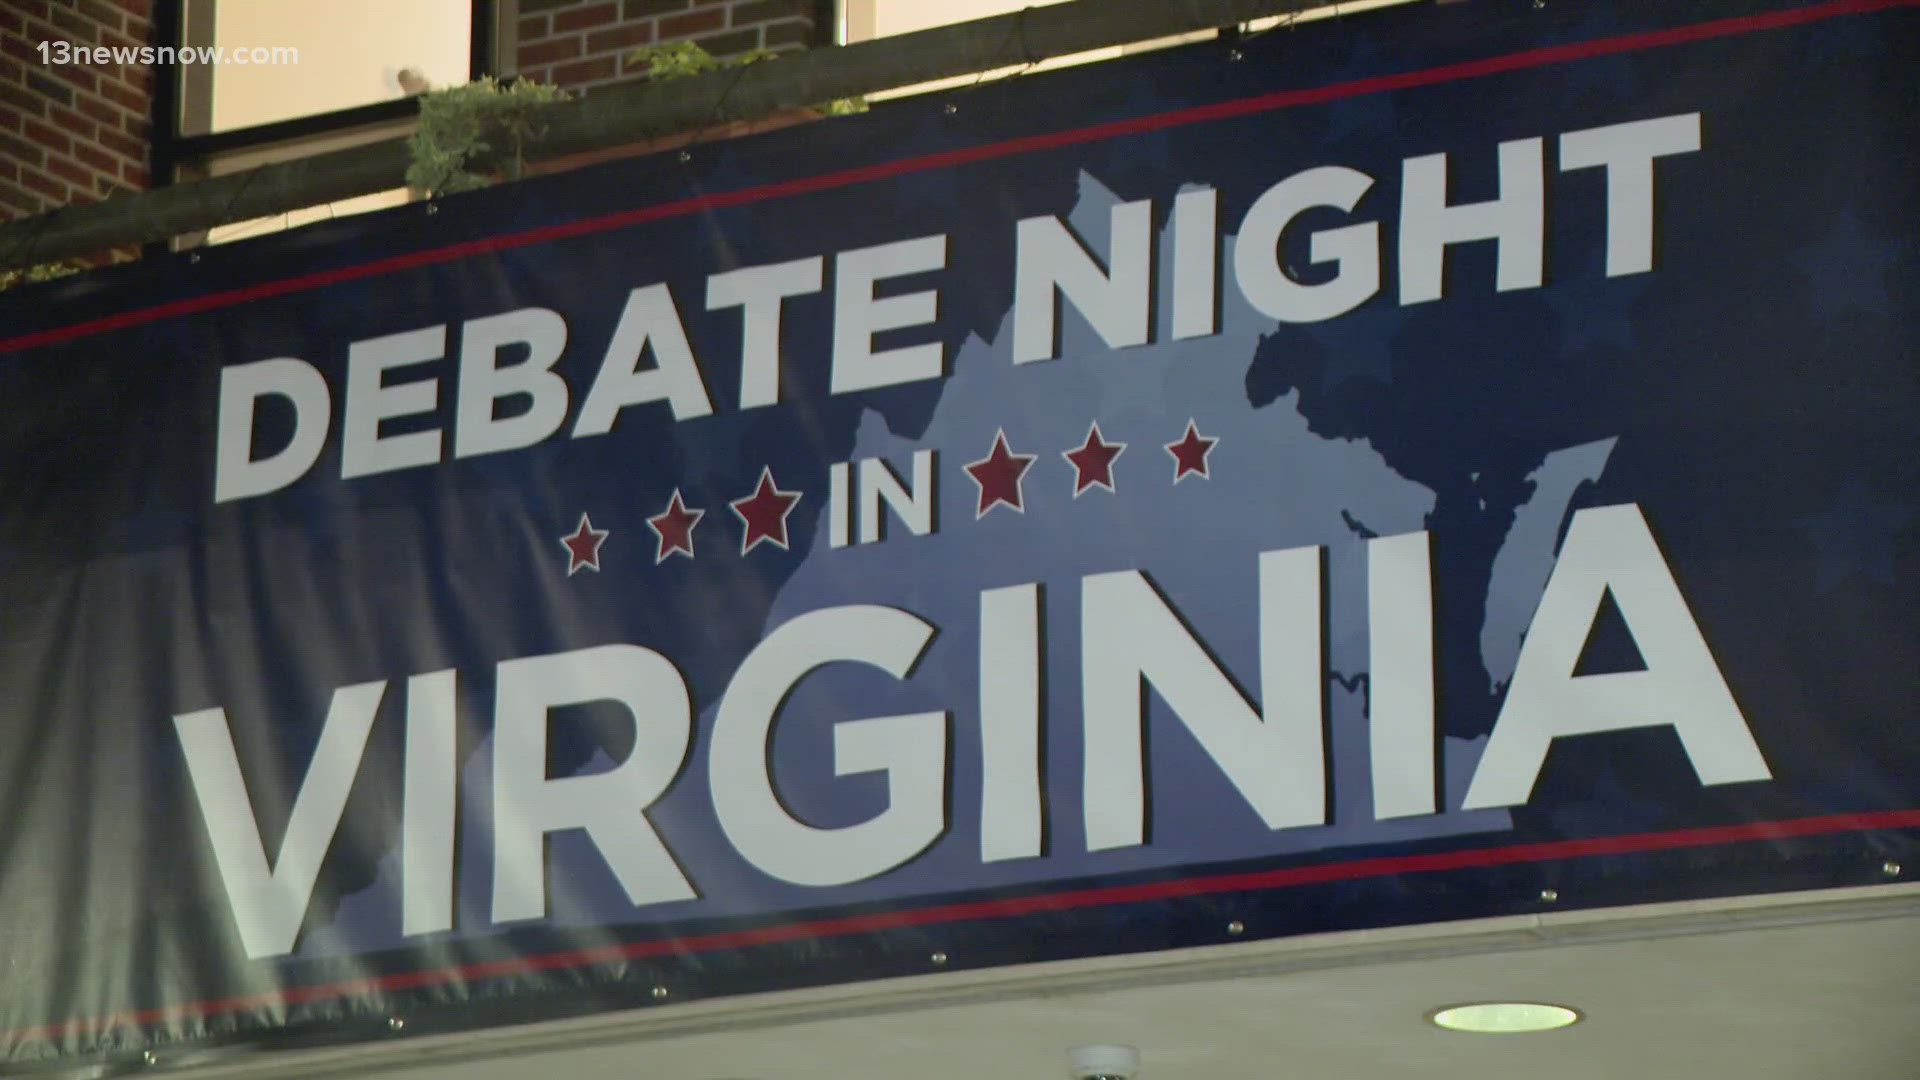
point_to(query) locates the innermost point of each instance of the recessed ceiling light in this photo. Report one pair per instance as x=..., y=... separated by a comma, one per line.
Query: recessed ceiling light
x=1504, y=1017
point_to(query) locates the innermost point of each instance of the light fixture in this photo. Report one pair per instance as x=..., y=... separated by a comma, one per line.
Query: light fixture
x=1504, y=1017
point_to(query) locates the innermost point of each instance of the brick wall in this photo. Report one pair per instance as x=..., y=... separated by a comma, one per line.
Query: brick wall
x=577, y=43
x=71, y=133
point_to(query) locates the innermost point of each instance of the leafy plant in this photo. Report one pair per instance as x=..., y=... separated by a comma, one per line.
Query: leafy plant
x=679, y=59
x=41, y=272
x=471, y=135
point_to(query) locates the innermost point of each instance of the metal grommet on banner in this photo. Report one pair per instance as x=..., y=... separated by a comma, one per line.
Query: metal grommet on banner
x=658, y=992
x=1890, y=868
x=1235, y=54
x=395, y=1023
x=148, y=1057
x=433, y=208
x=939, y=959
x=1236, y=928
x=685, y=156
x=193, y=256
x=949, y=108
x=1549, y=896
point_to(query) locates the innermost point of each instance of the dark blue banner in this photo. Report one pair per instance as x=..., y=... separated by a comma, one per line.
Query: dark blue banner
x=1396, y=469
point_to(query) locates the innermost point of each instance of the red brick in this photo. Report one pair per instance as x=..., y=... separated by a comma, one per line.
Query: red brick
x=123, y=95
x=134, y=174
x=42, y=29
x=105, y=14
x=139, y=9
x=41, y=134
x=9, y=170
x=761, y=11
x=20, y=198
x=72, y=172
x=35, y=180
x=546, y=52
x=530, y=28
x=643, y=9
x=565, y=22
x=793, y=32
x=93, y=107
x=76, y=28
x=536, y=75
x=585, y=71
x=97, y=158
x=49, y=88
x=20, y=49
x=117, y=41
x=122, y=144
x=12, y=20
x=138, y=76
x=21, y=150
x=22, y=101
x=731, y=42
x=111, y=72
x=691, y=23
x=75, y=75
x=70, y=122
x=620, y=37
x=137, y=126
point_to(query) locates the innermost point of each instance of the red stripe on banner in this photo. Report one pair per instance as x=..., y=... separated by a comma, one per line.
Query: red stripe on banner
x=1285, y=99
x=1010, y=907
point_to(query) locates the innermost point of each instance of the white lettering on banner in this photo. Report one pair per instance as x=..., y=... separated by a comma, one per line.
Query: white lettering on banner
x=910, y=749
x=1051, y=262
x=759, y=291
x=1050, y=266
x=1273, y=757
x=483, y=381
x=649, y=321
x=1353, y=249
x=610, y=806
x=1131, y=636
x=1610, y=550
x=270, y=902
x=371, y=400
x=237, y=474
x=1626, y=152
x=858, y=315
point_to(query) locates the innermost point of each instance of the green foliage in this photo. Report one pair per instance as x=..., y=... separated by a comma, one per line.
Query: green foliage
x=471, y=135
x=41, y=272
x=680, y=59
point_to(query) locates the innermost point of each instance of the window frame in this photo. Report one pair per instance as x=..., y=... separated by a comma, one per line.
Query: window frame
x=176, y=86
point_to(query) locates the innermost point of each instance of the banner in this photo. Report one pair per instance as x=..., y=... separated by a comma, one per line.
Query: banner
x=1452, y=462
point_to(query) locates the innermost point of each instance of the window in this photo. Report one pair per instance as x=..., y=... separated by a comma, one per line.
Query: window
x=307, y=57
x=316, y=75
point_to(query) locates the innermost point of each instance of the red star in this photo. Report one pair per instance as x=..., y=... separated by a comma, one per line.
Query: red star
x=583, y=547
x=674, y=527
x=1190, y=454
x=1093, y=462
x=765, y=513
x=998, y=476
